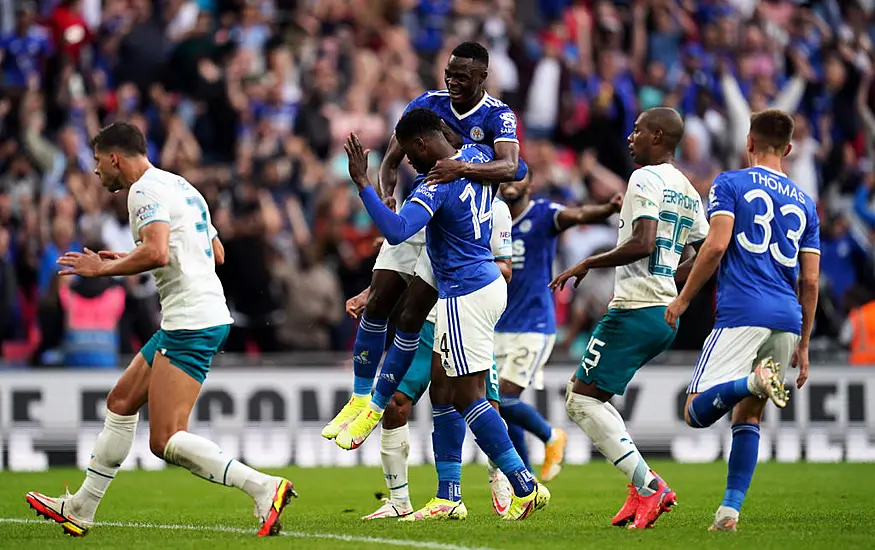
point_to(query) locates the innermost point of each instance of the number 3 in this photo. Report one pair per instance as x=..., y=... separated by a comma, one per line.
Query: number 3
x=202, y=226
x=764, y=221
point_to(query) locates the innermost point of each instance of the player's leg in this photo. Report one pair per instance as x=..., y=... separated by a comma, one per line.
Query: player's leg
x=524, y=358
x=415, y=305
x=746, y=417
x=395, y=436
x=387, y=287
x=76, y=512
x=466, y=338
x=178, y=373
x=623, y=341
x=392, y=270
x=447, y=438
x=723, y=375
x=499, y=486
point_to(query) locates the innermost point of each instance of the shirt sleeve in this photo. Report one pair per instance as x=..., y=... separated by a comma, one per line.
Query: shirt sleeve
x=555, y=210
x=146, y=206
x=431, y=197
x=645, y=192
x=721, y=198
x=502, y=124
x=502, y=247
x=418, y=103
x=811, y=238
x=700, y=226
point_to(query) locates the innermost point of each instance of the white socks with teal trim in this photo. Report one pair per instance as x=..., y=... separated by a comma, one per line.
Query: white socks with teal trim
x=394, y=450
x=605, y=427
x=111, y=449
x=205, y=459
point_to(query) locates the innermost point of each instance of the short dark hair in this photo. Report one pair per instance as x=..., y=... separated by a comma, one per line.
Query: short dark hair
x=669, y=122
x=122, y=137
x=472, y=50
x=417, y=123
x=771, y=129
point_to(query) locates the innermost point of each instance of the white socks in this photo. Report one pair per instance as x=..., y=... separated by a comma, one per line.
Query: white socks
x=205, y=459
x=604, y=425
x=492, y=468
x=394, y=450
x=110, y=450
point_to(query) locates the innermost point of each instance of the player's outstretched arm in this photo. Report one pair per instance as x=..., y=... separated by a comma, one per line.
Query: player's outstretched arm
x=640, y=245
x=153, y=252
x=583, y=215
x=704, y=266
x=809, y=283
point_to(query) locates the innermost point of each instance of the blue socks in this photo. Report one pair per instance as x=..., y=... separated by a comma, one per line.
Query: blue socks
x=447, y=439
x=492, y=437
x=515, y=410
x=742, y=461
x=517, y=436
x=370, y=342
x=712, y=404
x=398, y=360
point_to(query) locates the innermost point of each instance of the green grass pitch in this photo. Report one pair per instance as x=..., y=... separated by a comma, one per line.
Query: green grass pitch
x=794, y=506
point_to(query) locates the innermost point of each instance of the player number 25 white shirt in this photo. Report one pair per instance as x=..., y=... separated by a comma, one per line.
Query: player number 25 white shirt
x=191, y=294
x=664, y=194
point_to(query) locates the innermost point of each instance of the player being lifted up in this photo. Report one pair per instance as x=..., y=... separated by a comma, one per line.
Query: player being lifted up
x=472, y=291
x=395, y=433
x=661, y=215
x=176, y=240
x=765, y=238
x=467, y=111
x=525, y=334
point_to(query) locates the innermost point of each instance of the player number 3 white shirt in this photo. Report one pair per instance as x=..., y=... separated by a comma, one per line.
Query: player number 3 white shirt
x=191, y=294
x=664, y=194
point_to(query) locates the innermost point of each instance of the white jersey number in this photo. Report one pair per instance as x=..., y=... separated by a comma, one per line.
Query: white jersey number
x=765, y=221
x=485, y=212
x=680, y=229
x=202, y=226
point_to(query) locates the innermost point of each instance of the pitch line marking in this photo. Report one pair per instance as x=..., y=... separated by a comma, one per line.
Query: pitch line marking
x=240, y=531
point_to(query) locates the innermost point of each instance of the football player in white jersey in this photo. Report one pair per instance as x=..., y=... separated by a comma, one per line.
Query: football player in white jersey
x=661, y=215
x=178, y=243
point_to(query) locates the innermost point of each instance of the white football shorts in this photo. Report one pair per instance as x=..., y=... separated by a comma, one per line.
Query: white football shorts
x=465, y=329
x=732, y=353
x=521, y=357
x=401, y=258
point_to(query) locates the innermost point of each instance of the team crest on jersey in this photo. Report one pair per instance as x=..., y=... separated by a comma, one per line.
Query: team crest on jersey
x=477, y=133
x=526, y=226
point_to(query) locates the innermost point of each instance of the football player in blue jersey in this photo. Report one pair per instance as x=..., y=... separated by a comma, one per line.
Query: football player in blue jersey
x=765, y=240
x=469, y=115
x=472, y=294
x=525, y=334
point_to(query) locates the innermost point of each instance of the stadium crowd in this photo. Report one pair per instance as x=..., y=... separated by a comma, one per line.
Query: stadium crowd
x=251, y=101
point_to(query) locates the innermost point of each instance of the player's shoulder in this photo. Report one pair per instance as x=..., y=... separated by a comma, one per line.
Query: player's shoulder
x=544, y=206
x=647, y=178
x=494, y=104
x=431, y=98
x=500, y=208
x=476, y=152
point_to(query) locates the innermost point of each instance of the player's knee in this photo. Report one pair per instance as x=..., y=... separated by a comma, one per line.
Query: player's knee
x=411, y=319
x=397, y=412
x=119, y=402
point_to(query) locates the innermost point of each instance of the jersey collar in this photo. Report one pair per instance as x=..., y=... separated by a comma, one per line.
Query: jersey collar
x=524, y=212
x=472, y=111
x=766, y=168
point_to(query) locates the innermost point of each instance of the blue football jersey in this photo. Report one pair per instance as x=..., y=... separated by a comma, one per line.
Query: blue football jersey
x=488, y=123
x=529, y=300
x=459, y=233
x=774, y=222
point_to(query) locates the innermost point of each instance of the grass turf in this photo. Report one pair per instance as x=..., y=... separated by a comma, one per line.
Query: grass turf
x=794, y=506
